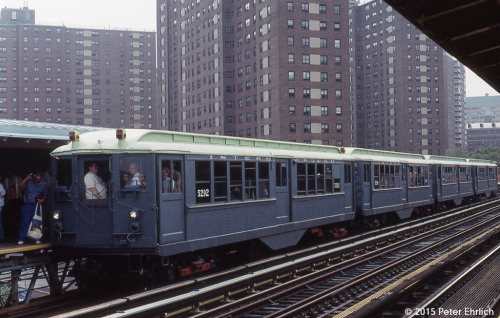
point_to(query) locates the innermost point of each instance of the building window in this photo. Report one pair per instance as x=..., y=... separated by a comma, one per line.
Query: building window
x=291, y=110
x=307, y=127
x=324, y=110
x=325, y=128
x=290, y=23
x=338, y=94
x=306, y=58
x=290, y=41
x=293, y=127
x=307, y=110
x=306, y=93
x=305, y=24
x=291, y=75
x=324, y=94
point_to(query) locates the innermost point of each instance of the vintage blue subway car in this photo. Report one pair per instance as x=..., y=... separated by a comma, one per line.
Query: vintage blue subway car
x=145, y=200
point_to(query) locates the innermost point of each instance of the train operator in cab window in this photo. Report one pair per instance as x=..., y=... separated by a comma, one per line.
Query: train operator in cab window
x=95, y=188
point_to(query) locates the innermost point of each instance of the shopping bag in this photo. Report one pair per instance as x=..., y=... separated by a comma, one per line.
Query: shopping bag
x=35, y=228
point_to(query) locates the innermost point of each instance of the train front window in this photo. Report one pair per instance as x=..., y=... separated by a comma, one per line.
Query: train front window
x=64, y=173
x=96, y=179
x=132, y=173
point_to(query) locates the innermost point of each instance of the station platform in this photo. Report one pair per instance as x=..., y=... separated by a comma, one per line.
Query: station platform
x=13, y=247
x=25, y=271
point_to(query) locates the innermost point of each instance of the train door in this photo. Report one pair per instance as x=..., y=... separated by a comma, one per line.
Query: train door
x=404, y=182
x=94, y=209
x=282, y=192
x=438, y=185
x=475, y=182
x=367, y=185
x=171, y=188
x=348, y=188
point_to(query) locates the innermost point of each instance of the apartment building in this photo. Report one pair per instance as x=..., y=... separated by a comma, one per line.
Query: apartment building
x=403, y=85
x=262, y=69
x=80, y=76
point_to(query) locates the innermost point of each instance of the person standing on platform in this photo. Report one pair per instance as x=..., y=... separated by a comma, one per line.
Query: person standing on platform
x=35, y=191
x=2, y=194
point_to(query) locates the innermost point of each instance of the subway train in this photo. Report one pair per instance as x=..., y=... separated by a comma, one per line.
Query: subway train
x=139, y=202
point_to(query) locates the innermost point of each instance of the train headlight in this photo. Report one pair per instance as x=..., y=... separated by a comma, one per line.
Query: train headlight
x=134, y=215
x=57, y=215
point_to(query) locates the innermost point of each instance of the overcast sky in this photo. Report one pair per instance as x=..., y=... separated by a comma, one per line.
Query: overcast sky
x=137, y=15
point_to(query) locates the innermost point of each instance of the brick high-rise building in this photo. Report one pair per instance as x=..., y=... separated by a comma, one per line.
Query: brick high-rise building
x=265, y=69
x=403, y=84
x=75, y=75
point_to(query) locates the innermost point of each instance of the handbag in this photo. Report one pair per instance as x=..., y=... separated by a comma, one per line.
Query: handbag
x=35, y=228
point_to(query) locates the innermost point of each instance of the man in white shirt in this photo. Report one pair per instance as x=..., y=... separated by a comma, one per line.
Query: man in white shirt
x=95, y=188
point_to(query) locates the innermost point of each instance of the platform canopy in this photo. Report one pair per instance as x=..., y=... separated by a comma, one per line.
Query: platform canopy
x=467, y=29
x=29, y=134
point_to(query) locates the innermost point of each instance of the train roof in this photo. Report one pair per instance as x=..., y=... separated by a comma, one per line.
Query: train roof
x=161, y=141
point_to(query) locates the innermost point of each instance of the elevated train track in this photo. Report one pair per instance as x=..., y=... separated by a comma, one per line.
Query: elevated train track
x=204, y=293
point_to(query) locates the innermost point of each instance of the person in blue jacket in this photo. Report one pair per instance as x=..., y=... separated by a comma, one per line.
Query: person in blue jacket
x=35, y=191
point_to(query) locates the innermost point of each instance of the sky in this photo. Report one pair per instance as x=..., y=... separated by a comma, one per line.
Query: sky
x=139, y=15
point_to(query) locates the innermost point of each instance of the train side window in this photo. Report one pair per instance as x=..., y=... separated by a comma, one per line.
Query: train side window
x=482, y=173
x=366, y=173
x=171, y=176
x=235, y=173
x=347, y=173
x=281, y=175
x=336, y=185
x=301, y=179
x=329, y=178
x=132, y=173
x=320, y=174
x=311, y=173
x=64, y=173
x=220, y=181
x=250, y=180
x=263, y=180
x=491, y=172
x=376, y=176
x=464, y=174
x=202, y=181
